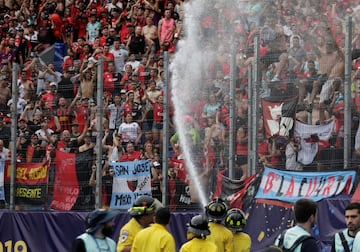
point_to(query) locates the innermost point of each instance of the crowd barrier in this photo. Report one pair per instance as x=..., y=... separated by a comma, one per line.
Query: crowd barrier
x=54, y=230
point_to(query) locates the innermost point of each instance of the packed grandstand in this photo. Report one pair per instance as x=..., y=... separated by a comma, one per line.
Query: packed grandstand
x=59, y=44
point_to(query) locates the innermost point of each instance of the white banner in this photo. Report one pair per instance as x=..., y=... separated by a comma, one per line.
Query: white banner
x=131, y=179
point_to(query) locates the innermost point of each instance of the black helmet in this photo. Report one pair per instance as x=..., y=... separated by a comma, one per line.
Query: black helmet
x=143, y=205
x=199, y=226
x=216, y=210
x=235, y=220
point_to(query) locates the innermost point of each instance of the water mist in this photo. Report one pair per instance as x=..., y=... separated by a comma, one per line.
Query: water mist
x=190, y=68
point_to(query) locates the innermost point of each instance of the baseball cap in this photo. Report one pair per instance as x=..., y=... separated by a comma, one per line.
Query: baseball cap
x=123, y=91
x=53, y=84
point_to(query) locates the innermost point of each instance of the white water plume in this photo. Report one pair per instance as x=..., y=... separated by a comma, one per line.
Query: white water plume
x=189, y=70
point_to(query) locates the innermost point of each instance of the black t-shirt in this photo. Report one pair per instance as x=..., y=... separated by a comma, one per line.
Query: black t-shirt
x=65, y=88
x=137, y=44
x=5, y=134
x=33, y=127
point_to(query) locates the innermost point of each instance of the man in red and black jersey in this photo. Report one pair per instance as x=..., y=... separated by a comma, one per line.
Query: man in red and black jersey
x=65, y=114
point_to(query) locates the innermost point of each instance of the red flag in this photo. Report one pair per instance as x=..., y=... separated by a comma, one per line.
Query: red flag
x=180, y=168
x=66, y=186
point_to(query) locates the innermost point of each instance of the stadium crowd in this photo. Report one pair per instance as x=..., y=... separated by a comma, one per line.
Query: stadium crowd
x=301, y=55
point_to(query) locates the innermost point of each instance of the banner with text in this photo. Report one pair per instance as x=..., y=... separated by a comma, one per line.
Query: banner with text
x=31, y=183
x=131, y=179
x=2, y=190
x=289, y=186
x=66, y=186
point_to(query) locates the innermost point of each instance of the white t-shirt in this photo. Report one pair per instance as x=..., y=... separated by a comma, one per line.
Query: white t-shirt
x=129, y=131
x=41, y=133
x=120, y=56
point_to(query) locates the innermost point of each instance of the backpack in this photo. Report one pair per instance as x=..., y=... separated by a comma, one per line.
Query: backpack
x=344, y=242
x=299, y=240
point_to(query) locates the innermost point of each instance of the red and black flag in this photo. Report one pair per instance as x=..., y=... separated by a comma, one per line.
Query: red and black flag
x=31, y=182
x=71, y=187
x=279, y=116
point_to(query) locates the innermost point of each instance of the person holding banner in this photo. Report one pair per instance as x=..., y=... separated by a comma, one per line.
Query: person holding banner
x=142, y=213
x=100, y=225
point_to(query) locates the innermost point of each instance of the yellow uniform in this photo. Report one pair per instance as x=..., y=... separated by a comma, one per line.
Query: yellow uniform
x=242, y=242
x=127, y=234
x=155, y=238
x=221, y=236
x=198, y=244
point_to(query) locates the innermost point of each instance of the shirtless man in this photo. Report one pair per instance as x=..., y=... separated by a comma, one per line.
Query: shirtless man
x=26, y=87
x=150, y=32
x=5, y=94
x=87, y=82
x=331, y=66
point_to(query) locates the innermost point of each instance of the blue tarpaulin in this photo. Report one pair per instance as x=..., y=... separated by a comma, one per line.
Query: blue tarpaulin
x=54, y=231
